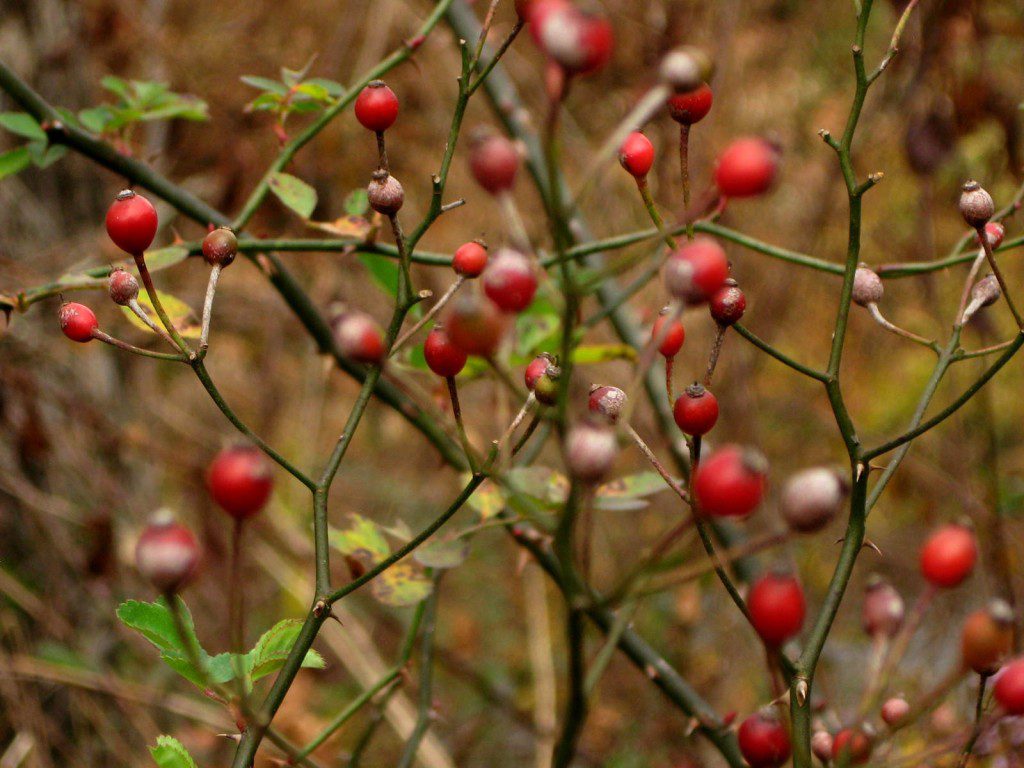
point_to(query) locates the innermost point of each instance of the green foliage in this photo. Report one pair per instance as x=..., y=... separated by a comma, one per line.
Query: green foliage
x=294, y=193
x=292, y=94
x=38, y=151
x=171, y=753
x=139, y=101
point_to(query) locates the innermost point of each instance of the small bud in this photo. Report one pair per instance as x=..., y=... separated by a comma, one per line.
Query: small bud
x=590, y=451
x=867, y=287
x=894, y=710
x=686, y=68
x=812, y=498
x=976, y=205
x=385, y=193
x=167, y=553
x=122, y=286
x=607, y=402
x=883, y=609
x=821, y=746
x=220, y=247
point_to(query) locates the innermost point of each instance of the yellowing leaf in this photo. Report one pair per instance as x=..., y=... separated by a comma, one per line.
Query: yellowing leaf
x=180, y=313
x=401, y=585
x=356, y=227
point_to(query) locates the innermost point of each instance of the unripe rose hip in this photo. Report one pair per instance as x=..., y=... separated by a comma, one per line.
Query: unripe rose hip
x=494, y=161
x=730, y=482
x=443, y=357
x=166, y=554
x=131, y=222
x=376, y=107
x=949, y=555
x=636, y=155
x=545, y=388
x=674, y=335
x=240, y=479
x=685, y=69
x=607, y=402
x=510, y=280
x=976, y=205
x=851, y=745
x=777, y=608
x=763, y=740
x=821, y=745
x=696, y=410
x=728, y=303
x=475, y=323
x=812, y=498
x=535, y=369
x=746, y=167
x=77, y=321
x=470, y=259
x=691, y=107
x=987, y=637
x=590, y=451
x=867, y=287
x=883, y=609
x=359, y=337
x=696, y=271
x=580, y=42
x=1009, y=688
x=385, y=193
x=220, y=247
x=894, y=710
x=122, y=287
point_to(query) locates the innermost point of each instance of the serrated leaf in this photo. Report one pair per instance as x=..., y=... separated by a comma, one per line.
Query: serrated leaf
x=273, y=647
x=180, y=313
x=401, y=585
x=294, y=193
x=14, y=161
x=357, y=203
x=362, y=537
x=265, y=84
x=155, y=622
x=171, y=753
x=449, y=553
x=22, y=124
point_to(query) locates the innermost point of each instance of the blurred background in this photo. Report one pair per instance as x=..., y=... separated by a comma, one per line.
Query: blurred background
x=93, y=441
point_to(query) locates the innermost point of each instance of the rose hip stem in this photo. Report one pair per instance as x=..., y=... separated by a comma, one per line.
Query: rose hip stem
x=901, y=642
x=658, y=466
x=965, y=295
x=684, y=172
x=154, y=298
x=453, y=393
x=877, y=316
x=108, y=339
x=382, y=151
x=143, y=315
x=236, y=609
x=647, y=356
x=507, y=435
x=211, y=290
x=652, y=211
x=445, y=298
x=716, y=351
x=987, y=247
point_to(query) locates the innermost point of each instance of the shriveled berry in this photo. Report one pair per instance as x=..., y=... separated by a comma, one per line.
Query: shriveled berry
x=812, y=498
x=580, y=42
x=697, y=270
x=764, y=740
x=166, y=553
x=607, y=401
x=475, y=323
x=536, y=369
x=443, y=357
x=545, y=388
x=883, y=609
x=777, y=608
x=590, y=451
x=131, y=222
x=636, y=154
x=949, y=555
x=376, y=107
x=685, y=68
x=77, y=321
x=494, y=161
x=122, y=287
x=851, y=745
x=240, y=480
x=746, y=168
x=696, y=410
x=674, y=336
x=976, y=205
x=470, y=259
x=220, y=247
x=728, y=303
x=691, y=107
x=510, y=280
x=987, y=637
x=1009, y=687
x=359, y=337
x=385, y=193
x=867, y=286
x=894, y=710
x=730, y=482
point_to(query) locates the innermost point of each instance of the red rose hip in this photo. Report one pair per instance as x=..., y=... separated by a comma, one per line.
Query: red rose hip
x=1009, y=688
x=494, y=162
x=376, y=107
x=475, y=324
x=240, y=480
x=470, y=259
x=851, y=745
x=166, y=554
x=949, y=555
x=359, y=337
x=674, y=335
x=730, y=482
x=578, y=41
x=692, y=106
x=77, y=321
x=746, y=168
x=510, y=280
x=697, y=271
x=131, y=222
x=607, y=402
x=443, y=357
x=777, y=608
x=636, y=154
x=764, y=740
x=696, y=410
x=536, y=369
x=728, y=303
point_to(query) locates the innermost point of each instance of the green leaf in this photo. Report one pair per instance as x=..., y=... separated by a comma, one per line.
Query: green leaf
x=46, y=155
x=162, y=258
x=383, y=271
x=313, y=91
x=356, y=203
x=155, y=622
x=401, y=585
x=443, y=554
x=182, y=108
x=600, y=353
x=294, y=193
x=180, y=313
x=362, y=537
x=96, y=119
x=14, y=161
x=334, y=89
x=116, y=86
x=487, y=501
x=23, y=125
x=273, y=647
x=542, y=483
x=265, y=84
x=170, y=753
x=264, y=102
x=628, y=493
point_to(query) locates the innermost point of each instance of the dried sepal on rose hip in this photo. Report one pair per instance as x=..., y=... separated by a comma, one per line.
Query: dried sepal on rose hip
x=812, y=498
x=358, y=336
x=385, y=193
x=77, y=321
x=220, y=247
x=131, y=222
x=590, y=451
x=240, y=480
x=976, y=205
x=122, y=286
x=764, y=740
x=777, y=608
x=696, y=271
x=867, y=286
x=730, y=482
x=746, y=167
x=883, y=609
x=376, y=107
x=696, y=410
x=166, y=554
x=493, y=160
x=607, y=402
